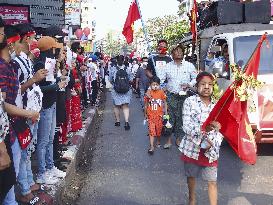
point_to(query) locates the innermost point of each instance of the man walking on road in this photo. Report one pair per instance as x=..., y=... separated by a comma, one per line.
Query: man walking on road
x=157, y=63
x=142, y=81
x=180, y=76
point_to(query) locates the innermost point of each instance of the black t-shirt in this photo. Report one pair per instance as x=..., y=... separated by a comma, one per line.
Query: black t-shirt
x=158, y=62
x=49, y=89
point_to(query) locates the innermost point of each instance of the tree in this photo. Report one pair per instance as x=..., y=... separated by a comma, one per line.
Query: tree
x=113, y=44
x=168, y=27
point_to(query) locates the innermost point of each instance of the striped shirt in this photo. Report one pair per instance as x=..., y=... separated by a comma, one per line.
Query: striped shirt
x=25, y=68
x=9, y=84
x=24, y=73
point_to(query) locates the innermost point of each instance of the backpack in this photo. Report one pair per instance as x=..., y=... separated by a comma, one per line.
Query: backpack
x=121, y=83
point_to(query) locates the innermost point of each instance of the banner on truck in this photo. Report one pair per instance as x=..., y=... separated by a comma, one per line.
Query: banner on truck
x=265, y=107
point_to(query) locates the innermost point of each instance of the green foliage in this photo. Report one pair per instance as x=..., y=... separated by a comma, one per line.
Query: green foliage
x=113, y=45
x=182, y=10
x=168, y=27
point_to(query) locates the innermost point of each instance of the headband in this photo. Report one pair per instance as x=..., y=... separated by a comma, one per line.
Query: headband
x=30, y=33
x=13, y=39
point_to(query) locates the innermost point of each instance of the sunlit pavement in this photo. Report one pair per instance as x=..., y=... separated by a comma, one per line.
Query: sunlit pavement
x=123, y=173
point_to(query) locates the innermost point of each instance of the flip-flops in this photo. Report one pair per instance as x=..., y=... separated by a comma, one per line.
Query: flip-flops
x=150, y=151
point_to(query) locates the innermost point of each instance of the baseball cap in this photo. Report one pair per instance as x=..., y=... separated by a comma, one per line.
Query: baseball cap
x=46, y=42
x=174, y=47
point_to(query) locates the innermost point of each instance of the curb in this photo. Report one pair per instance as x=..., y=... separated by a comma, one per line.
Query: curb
x=77, y=167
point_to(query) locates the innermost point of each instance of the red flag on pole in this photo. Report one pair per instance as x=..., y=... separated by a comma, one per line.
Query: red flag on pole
x=133, y=15
x=231, y=113
x=132, y=54
x=193, y=21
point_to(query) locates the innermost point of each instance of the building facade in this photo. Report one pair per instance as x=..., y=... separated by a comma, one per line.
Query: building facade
x=88, y=10
x=43, y=13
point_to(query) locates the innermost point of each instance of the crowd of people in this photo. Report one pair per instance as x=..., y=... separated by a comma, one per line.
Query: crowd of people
x=176, y=100
x=45, y=85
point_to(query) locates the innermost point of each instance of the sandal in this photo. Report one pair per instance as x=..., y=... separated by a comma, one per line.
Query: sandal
x=177, y=142
x=151, y=151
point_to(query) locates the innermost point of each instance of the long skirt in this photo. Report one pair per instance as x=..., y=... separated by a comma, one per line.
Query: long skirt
x=75, y=113
x=65, y=128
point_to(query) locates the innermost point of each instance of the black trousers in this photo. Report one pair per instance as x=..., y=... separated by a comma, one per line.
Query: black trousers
x=56, y=144
x=94, y=85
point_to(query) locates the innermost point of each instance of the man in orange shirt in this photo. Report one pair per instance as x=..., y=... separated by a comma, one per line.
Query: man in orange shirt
x=155, y=107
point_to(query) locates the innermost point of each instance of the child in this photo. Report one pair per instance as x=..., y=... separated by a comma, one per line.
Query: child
x=154, y=101
x=200, y=150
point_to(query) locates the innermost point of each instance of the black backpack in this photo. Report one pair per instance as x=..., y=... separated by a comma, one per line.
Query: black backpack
x=122, y=84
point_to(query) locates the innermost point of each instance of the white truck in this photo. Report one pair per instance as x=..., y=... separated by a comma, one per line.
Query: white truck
x=241, y=40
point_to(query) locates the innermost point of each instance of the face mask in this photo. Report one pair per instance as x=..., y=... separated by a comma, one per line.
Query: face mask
x=154, y=87
x=163, y=51
x=13, y=55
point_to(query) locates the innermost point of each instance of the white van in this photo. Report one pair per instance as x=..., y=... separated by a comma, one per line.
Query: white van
x=241, y=40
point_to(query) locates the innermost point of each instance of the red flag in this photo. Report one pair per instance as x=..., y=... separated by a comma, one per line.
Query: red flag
x=132, y=54
x=133, y=15
x=231, y=113
x=193, y=21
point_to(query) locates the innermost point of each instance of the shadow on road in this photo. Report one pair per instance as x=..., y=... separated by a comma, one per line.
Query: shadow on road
x=239, y=182
x=265, y=149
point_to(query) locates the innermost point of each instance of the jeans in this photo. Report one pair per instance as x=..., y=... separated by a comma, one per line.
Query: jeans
x=46, y=132
x=25, y=176
x=16, y=153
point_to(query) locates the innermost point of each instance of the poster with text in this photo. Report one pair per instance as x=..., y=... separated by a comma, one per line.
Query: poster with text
x=15, y=14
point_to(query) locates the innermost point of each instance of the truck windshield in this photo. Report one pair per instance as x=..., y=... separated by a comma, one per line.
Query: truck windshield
x=245, y=45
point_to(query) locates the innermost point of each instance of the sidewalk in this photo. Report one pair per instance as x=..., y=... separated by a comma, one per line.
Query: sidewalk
x=75, y=140
x=76, y=152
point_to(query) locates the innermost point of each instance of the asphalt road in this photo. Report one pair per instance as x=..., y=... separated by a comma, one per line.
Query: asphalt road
x=123, y=173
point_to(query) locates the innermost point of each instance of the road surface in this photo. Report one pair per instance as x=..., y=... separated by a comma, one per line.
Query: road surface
x=123, y=173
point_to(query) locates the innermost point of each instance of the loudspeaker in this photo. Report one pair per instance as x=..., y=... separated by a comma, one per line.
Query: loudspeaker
x=229, y=12
x=257, y=12
x=220, y=13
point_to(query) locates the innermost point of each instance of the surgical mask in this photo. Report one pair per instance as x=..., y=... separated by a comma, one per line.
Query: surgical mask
x=12, y=55
x=154, y=87
x=144, y=65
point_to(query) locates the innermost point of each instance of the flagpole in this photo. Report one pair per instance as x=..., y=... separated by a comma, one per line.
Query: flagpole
x=143, y=27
